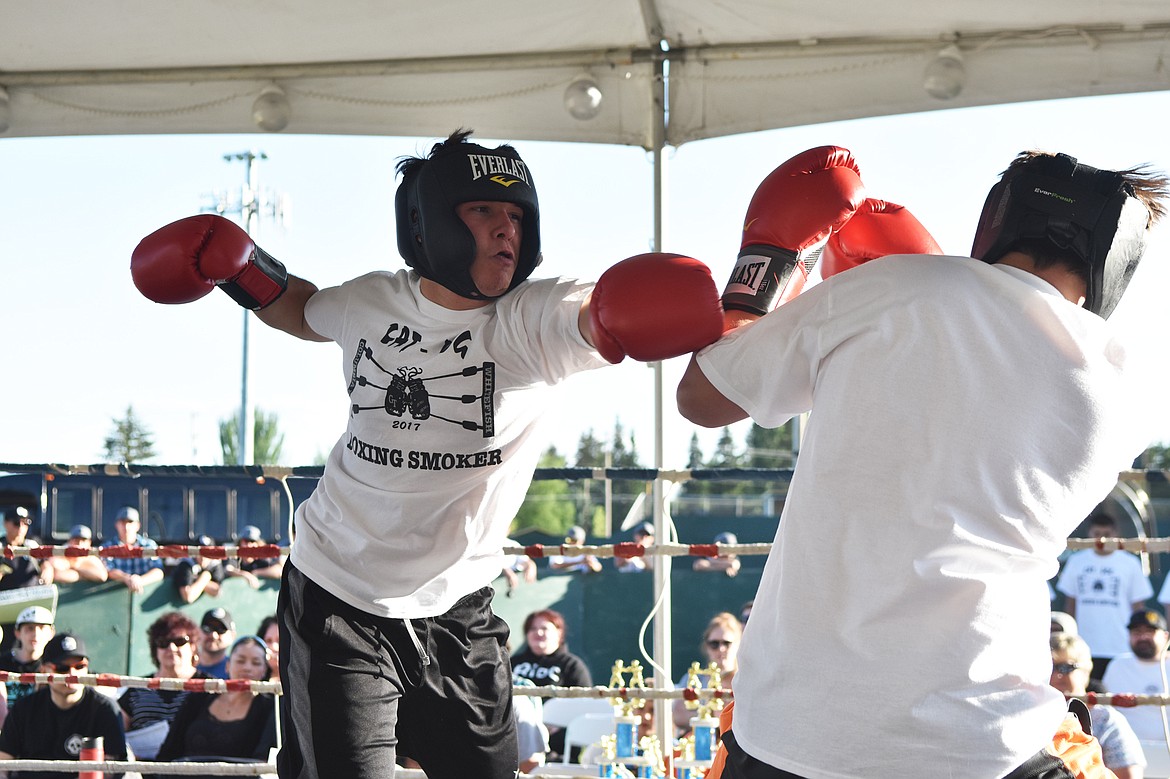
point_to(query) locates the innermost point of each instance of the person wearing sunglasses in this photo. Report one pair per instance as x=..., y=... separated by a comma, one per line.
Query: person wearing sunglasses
x=234, y=726
x=1072, y=663
x=147, y=714
x=50, y=723
x=719, y=646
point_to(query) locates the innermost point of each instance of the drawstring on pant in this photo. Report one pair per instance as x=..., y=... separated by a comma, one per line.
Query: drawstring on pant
x=422, y=653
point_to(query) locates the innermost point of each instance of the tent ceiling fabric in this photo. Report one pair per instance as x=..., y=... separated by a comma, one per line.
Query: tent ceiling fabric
x=373, y=67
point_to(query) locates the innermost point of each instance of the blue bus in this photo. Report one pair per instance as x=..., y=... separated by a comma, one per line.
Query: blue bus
x=178, y=504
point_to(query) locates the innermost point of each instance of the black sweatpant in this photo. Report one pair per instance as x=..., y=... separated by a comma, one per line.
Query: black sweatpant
x=358, y=691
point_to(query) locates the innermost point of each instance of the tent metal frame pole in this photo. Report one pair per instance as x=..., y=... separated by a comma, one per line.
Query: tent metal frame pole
x=663, y=724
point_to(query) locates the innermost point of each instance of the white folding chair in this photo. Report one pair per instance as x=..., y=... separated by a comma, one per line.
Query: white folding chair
x=559, y=712
x=585, y=730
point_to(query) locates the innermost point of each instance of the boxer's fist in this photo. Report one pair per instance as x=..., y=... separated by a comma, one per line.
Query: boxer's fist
x=187, y=259
x=654, y=306
x=877, y=229
x=791, y=215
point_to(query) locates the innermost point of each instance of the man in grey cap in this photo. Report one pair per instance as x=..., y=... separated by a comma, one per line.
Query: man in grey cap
x=582, y=563
x=644, y=535
x=253, y=569
x=134, y=572
x=77, y=569
x=728, y=563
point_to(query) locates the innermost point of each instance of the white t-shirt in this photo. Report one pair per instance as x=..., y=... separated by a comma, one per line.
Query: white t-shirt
x=438, y=452
x=1105, y=588
x=1126, y=673
x=965, y=418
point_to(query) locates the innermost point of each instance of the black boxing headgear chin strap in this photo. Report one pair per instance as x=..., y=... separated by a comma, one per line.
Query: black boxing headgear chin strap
x=1088, y=213
x=434, y=240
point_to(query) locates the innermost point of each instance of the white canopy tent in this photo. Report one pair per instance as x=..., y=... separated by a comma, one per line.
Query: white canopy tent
x=667, y=71
x=387, y=67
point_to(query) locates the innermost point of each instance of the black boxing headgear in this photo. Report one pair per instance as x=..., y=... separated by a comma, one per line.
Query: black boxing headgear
x=433, y=239
x=1089, y=214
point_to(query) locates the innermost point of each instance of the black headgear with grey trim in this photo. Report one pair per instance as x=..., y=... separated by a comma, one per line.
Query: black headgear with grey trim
x=434, y=240
x=1089, y=213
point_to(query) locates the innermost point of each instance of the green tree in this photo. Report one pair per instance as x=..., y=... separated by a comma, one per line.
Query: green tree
x=624, y=491
x=130, y=441
x=725, y=457
x=693, y=487
x=1157, y=456
x=769, y=448
x=547, y=507
x=267, y=440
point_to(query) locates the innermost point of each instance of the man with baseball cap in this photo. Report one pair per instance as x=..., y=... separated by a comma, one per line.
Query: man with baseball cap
x=75, y=569
x=33, y=631
x=253, y=569
x=134, y=572
x=644, y=535
x=1140, y=671
x=51, y=723
x=217, y=632
x=728, y=562
x=581, y=563
x=21, y=570
x=196, y=576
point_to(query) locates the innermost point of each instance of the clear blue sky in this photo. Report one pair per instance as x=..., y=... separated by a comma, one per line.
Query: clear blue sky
x=80, y=344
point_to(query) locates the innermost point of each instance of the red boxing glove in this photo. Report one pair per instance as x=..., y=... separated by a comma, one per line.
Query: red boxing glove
x=654, y=306
x=877, y=229
x=186, y=259
x=790, y=217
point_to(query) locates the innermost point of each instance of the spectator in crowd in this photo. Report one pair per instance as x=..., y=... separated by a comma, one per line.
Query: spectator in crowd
x=517, y=567
x=581, y=563
x=1071, y=666
x=727, y=563
x=50, y=723
x=238, y=725
x=1141, y=671
x=719, y=647
x=217, y=631
x=532, y=738
x=79, y=569
x=134, y=572
x=21, y=571
x=546, y=661
x=253, y=569
x=269, y=630
x=34, y=629
x=147, y=713
x=644, y=535
x=1102, y=588
x=745, y=611
x=195, y=576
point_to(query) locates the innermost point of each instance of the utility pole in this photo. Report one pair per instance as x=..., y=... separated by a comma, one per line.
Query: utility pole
x=249, y=205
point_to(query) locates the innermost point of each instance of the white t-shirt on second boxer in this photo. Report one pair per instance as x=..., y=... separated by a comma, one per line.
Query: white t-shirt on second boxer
x=965, y=418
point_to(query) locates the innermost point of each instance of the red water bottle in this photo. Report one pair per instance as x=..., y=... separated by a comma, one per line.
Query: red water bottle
x=92, y=749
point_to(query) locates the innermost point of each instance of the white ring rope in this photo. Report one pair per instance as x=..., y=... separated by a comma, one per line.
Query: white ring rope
x=622, y=549
x=214, y=686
